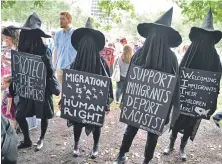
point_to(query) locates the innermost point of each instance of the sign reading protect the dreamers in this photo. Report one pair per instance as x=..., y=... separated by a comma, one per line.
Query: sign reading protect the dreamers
x=84, y=97
x=28, y=75
x=147, y=99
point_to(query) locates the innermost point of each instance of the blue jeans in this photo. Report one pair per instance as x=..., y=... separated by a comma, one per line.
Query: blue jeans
x=119, y=87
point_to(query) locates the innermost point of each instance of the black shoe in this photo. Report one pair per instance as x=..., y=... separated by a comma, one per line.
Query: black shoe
x=39, y=144
x=121, y=159
x=23, y=145
x=76, y=149
x=95, y=151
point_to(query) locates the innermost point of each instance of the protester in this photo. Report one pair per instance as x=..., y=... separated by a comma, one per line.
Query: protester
x=10, y=36
x=201, y=55
x=9, y=142
x=118, y=49
x=123, y=63
x=218, y=119
x=8, y=105
x=88, y=43
x=155, y=54
x=123, y=41
x=108, y=54
x=63, y=53
x=30, y=42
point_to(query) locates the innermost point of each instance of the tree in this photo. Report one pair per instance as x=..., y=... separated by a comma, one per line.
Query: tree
x=114, y=11
x=11, y=3
x=196, y=10
x=49, y=12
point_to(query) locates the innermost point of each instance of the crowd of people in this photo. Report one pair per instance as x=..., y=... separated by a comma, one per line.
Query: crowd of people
x=86, y=49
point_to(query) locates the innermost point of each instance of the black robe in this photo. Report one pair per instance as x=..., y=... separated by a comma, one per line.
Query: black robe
x=201, y=55
x=89, y=60
x=156, y=54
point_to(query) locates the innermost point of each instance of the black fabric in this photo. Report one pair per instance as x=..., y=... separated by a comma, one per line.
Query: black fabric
x=44, y=126
x=207, y=26
x=201, y=55
x=33, y=24
x=156, y=54
x=77, y=130
x=89, y=60
x=164, y=22
x=25, y=129
x=32, y=44
x=79, y=33
x=9, y=142
x=129, y=135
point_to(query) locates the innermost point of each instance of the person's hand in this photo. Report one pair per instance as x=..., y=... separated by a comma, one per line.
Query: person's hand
x=3, y=58
x=7, y=112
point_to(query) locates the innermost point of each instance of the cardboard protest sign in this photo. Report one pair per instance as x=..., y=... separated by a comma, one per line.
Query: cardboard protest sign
x=147, y=99
x=108, y=55
x=198, y=92
x=84, y=97
x=28, y=75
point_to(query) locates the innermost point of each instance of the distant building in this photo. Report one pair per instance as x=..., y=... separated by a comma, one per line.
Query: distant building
x=95, y=12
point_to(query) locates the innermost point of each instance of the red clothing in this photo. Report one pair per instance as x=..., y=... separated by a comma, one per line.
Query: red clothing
x=108, y=55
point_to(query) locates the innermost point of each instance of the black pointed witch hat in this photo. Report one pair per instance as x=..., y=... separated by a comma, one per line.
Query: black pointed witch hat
x=34, y=23
x=207, y=26
x=88, y=30
x=165, y=22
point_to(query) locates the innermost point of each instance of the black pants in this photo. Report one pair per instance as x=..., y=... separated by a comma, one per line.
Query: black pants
x=77, y=130
x=186, y=134
x=25, y=129
x=129, y=135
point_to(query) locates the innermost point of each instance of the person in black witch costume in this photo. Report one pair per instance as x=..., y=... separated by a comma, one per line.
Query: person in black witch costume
x=200, y=55
x=88, y=43
x=30, y=41
x=155, y=54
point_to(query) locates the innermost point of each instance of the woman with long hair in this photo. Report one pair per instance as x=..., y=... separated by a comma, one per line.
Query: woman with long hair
x=30, y=41
x=123, y=62
x=88, y=43
x=10, y=37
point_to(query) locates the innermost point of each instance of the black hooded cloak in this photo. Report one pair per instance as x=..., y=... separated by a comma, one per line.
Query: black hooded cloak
x=89, y=60
x=31, y=42
x=201, y=55
x=156, y=54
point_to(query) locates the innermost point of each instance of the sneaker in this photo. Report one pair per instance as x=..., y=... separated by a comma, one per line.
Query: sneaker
x=39, y=145
x=58, y=114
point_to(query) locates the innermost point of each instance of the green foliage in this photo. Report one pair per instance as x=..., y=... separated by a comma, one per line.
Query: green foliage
x=115, y=11
x=196, y=10
x=10, y=3
x=47, y=10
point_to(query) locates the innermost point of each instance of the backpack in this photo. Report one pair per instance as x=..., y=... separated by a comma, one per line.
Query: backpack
x=8, y=142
